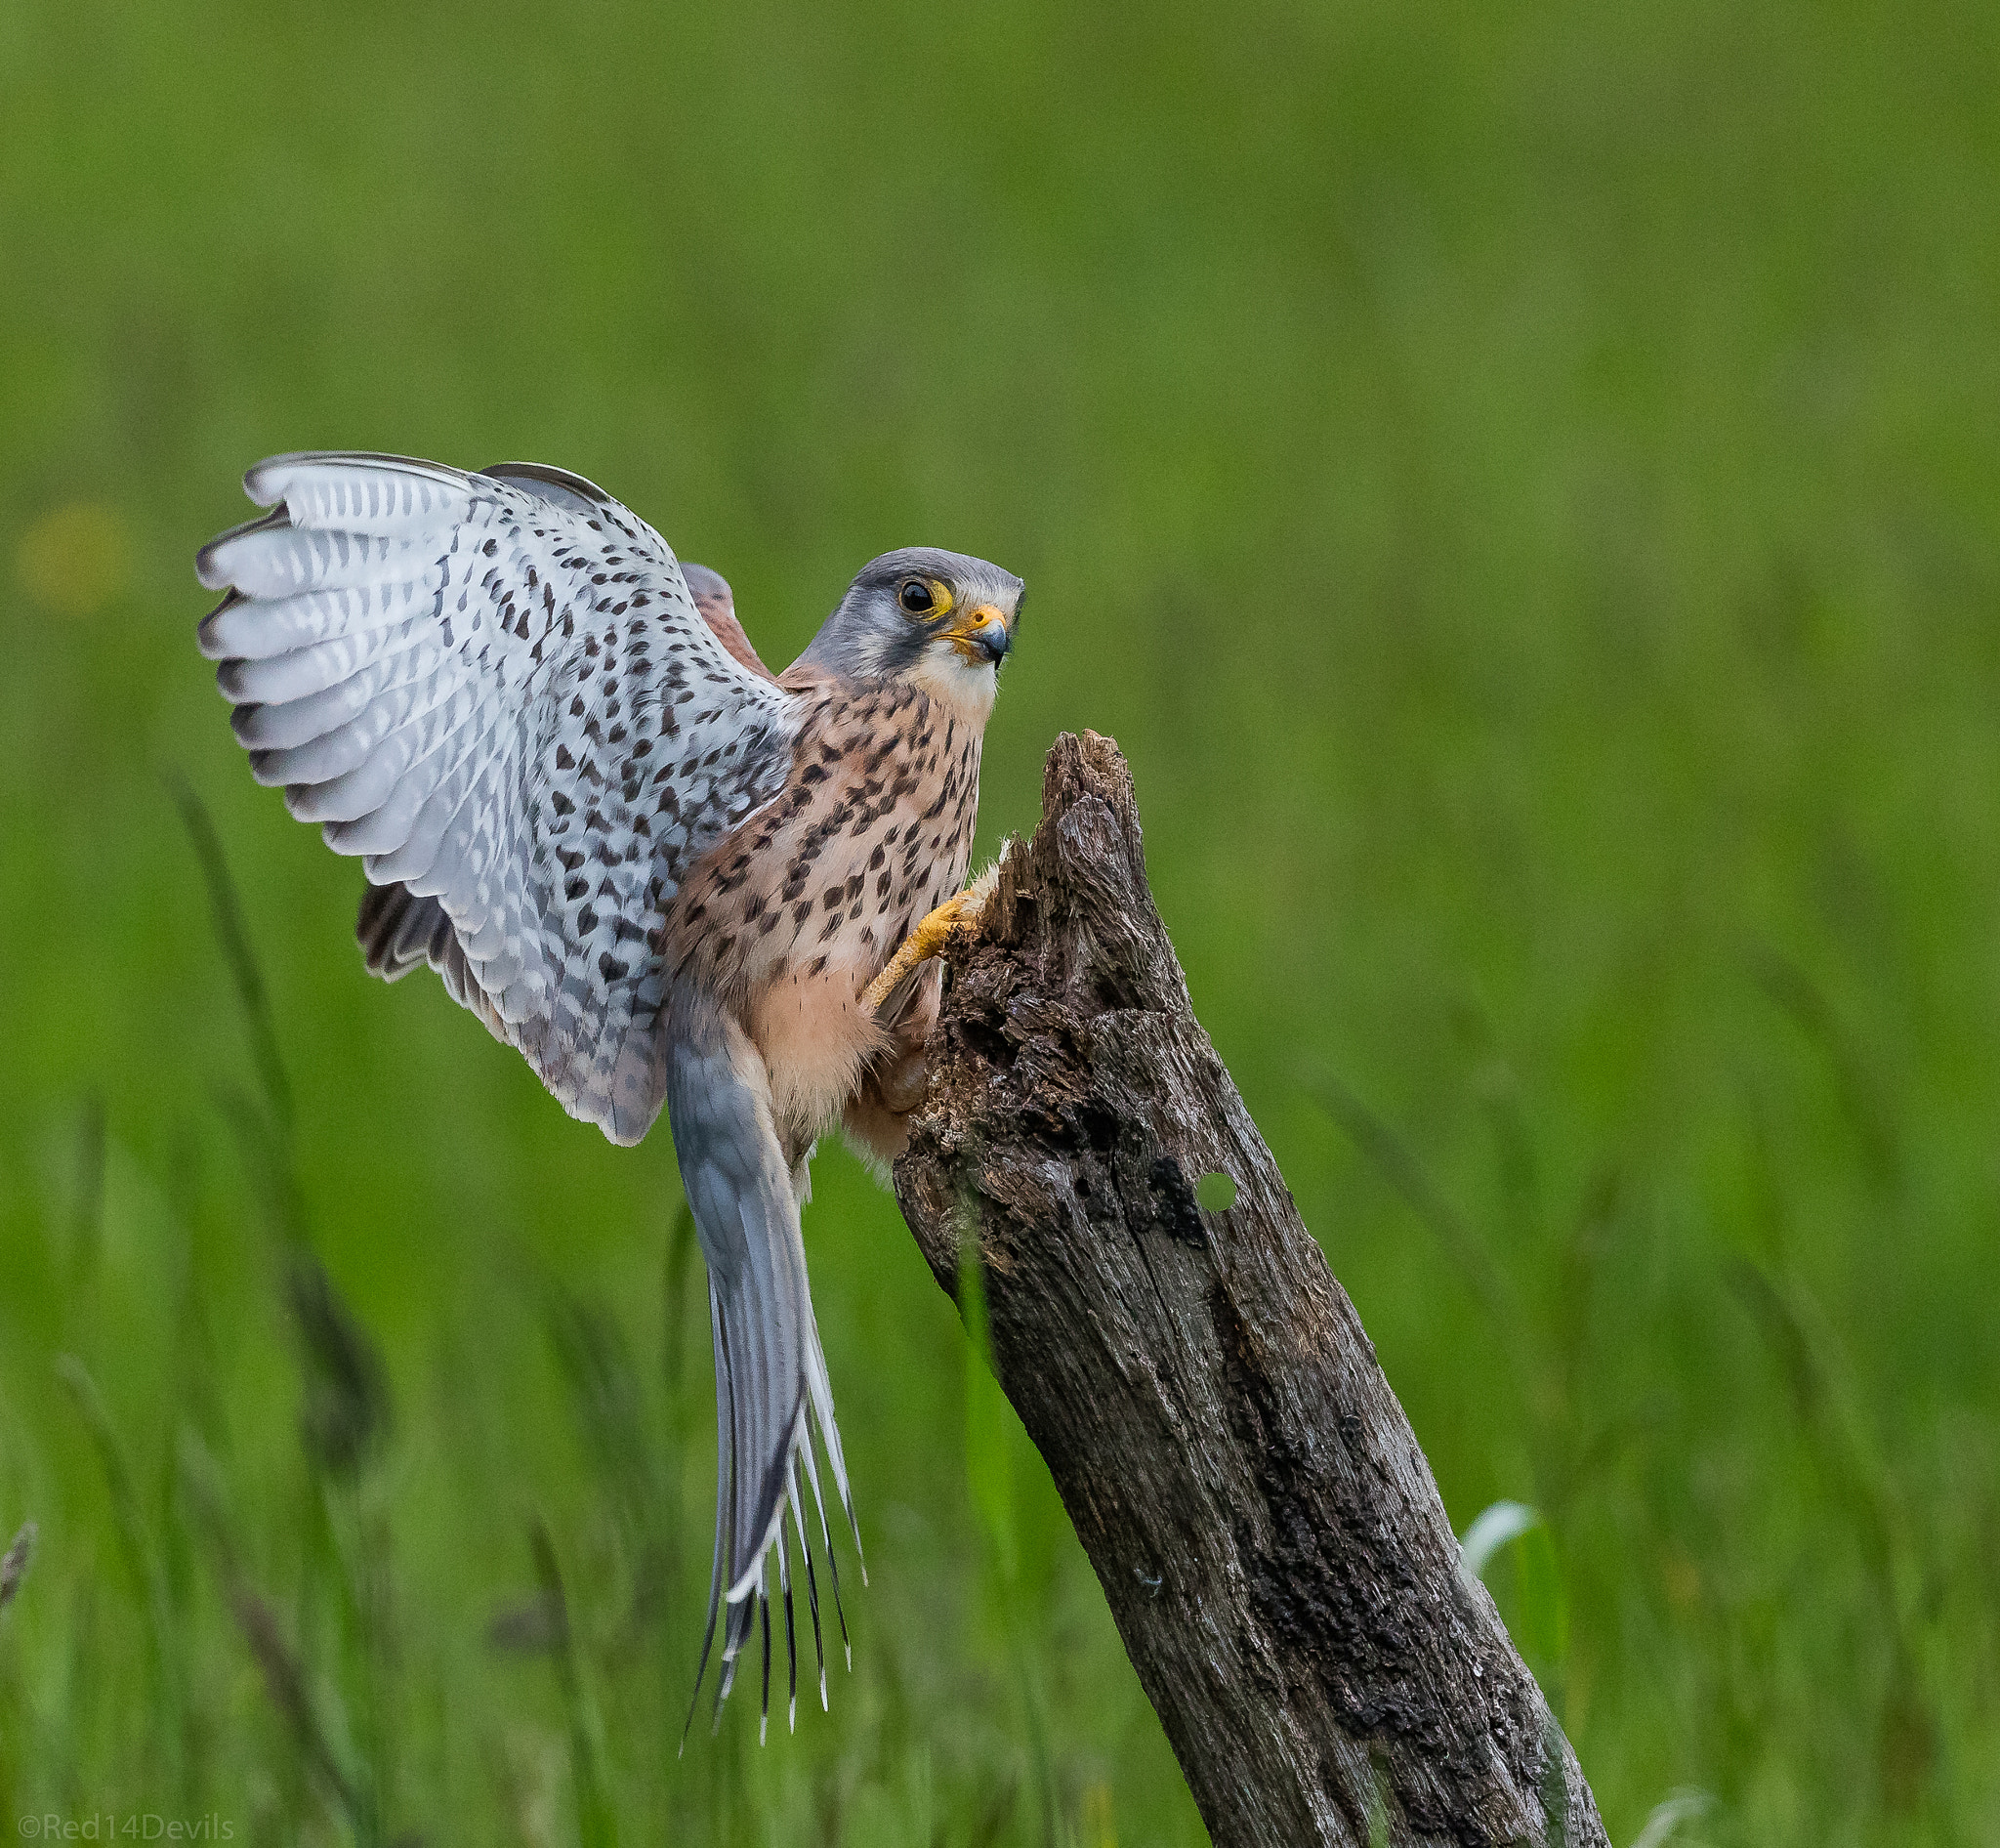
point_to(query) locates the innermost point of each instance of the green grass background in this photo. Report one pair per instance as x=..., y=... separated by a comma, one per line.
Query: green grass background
x=1521, y=485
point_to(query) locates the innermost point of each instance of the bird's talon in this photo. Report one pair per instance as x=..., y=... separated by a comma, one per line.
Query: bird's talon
x=927, y=939
x=920, y=944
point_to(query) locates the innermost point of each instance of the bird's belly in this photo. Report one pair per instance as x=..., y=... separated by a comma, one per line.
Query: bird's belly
x=814, y=1039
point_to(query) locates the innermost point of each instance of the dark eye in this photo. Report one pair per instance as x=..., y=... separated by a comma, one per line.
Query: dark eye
x=915, y=597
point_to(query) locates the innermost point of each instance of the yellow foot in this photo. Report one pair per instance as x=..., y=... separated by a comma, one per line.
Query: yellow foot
x=927, y=939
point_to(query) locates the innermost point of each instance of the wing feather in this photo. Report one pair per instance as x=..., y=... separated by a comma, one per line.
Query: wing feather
x=499, y=691
x=279, y=679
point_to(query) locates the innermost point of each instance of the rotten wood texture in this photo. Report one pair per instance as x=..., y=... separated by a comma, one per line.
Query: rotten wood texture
x=1265, y=1528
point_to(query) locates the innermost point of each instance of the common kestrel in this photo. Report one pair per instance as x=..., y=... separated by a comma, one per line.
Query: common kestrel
x=663, y=874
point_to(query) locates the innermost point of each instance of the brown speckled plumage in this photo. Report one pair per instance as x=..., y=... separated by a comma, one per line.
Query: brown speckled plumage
x=794, y=913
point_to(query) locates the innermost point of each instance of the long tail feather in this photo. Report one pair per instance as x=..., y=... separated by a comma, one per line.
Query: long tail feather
x=722, y=1416
x=832, y=1561
x=811, y=1585
x=763, y=1704
x=785, y=1580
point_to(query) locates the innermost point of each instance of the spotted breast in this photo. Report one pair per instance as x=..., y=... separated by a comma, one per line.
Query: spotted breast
x=795, y=912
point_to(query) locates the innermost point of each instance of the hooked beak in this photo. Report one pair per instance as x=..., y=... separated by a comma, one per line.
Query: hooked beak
x=983, y=635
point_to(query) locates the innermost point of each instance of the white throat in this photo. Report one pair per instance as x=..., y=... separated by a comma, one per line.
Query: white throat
x=962, y=687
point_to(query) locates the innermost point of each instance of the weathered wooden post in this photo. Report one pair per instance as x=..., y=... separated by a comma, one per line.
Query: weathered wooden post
x=1264, y=1524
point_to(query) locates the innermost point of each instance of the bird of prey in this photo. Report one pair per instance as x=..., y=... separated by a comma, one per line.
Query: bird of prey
x=665, y=874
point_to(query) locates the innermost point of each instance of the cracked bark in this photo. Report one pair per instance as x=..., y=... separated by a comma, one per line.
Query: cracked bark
x=1265, y=1526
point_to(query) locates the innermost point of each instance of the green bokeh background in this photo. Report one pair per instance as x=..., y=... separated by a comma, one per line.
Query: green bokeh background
x=1522, y=487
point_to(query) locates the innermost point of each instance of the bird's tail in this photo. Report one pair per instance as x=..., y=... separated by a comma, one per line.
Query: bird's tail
x=772, y=1397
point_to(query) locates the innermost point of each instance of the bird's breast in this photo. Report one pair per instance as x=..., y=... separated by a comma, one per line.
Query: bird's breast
x=793, y=915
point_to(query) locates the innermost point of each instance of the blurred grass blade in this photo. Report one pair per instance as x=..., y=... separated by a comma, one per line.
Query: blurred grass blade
x=1662, y=1826
x=267, y=1161
x=1100, y=1820
x=1542, y=1605
x=87, y=1218
x=989, y=1477
x=285, y=1675
x=1553, y=1788
x=1400, y=1167
x=528, y=1627
x=595, y=1823
x=142, y=1559
x=226, y=907
x=348, y=1413
x=595, y=1362
x=1791, y=988
x=1824, y=1402
x=1494, y=1528
x=202, y=1480
x=677, y=1268
x=284, y=1683
x=989, y=1470
x=1583, y=1252
x=1377, y=1802
x=1855, y=1469
x=1544, y=1600
x=1784, y=1333
x=13, y=1566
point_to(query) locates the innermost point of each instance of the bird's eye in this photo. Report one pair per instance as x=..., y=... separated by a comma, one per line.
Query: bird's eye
x=915, y=597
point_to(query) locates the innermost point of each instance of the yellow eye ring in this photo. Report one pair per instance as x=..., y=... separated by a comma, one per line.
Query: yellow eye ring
x=924, y=596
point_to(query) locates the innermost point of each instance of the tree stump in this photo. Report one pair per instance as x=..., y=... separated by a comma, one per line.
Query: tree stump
x=1265, y=1528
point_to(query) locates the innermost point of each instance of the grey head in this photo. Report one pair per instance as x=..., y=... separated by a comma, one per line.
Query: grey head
x=938, y=620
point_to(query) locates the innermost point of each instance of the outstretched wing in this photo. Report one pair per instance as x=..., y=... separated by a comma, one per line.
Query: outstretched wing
x=496, y=688
x=770, y=1375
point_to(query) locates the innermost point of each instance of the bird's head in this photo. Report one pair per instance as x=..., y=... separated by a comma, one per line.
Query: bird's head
x=940, y=621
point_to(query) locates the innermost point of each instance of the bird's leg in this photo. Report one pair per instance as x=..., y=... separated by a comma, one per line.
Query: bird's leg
x=919, y=946
x=927, y=939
